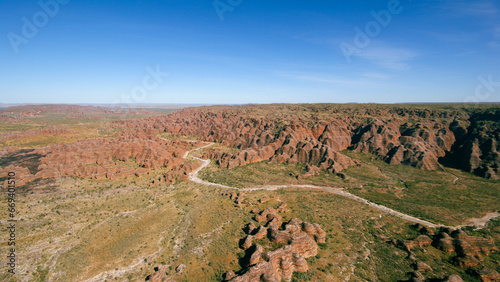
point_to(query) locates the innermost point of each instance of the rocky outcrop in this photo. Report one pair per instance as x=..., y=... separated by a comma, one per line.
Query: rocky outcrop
x=479, y=149
x=316, y=135
x=131, y=153
x=416, y=276
x=453, y=278
x=488, y=275
x=22, y=175
x=420, y=241
x=422, y=267
x=311, y=170
x=471, y=246
x=23, y=162
x=300, y=242
x=159, y=275
x=419, y=145
x=444, y=242
x=238, y=198
x=469, y=251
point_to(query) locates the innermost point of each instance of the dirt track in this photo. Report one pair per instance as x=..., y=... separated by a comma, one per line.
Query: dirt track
x=193, y=176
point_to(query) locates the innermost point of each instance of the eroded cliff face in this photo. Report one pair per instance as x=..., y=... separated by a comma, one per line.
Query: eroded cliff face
x=477, y=149
x=316, y=136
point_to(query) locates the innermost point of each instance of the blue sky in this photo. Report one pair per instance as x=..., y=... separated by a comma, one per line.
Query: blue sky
x=242, y=51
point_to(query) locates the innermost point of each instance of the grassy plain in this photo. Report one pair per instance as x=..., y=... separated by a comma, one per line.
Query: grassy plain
x=430, y=195
x=114, y=229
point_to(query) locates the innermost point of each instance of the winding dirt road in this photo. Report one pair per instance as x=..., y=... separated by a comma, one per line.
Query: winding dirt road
x=193, y=176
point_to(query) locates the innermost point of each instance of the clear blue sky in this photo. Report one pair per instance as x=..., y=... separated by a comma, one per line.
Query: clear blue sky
x=251, y=52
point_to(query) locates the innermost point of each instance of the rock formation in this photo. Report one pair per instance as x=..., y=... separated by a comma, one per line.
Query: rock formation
x=131, y=153
x=469, y=251
x=478, y=150
x=159, y=275
x=488, y=275
x=316, y=136
x=299, y=239
x=238, y=198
